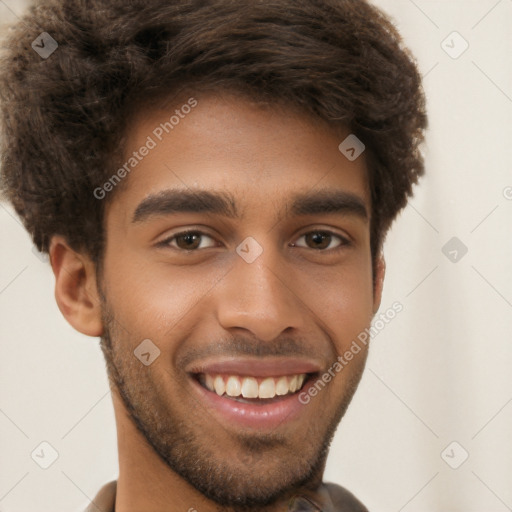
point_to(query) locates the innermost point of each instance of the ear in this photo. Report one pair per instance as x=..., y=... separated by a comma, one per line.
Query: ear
x=380, y=271
x=76, y=290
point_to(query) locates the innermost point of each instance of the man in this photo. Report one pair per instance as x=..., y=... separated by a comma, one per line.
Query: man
x=213, y=181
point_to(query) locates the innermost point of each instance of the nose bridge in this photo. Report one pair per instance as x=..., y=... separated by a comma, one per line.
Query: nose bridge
x=257, y=294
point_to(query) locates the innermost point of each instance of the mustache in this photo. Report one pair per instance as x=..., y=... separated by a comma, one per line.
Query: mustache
x=238, y=346
x=231, y=346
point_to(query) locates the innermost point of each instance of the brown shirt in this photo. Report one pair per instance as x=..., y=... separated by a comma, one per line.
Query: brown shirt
x=338, y=500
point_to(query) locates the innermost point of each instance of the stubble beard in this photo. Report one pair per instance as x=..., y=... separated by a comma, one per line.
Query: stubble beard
x=244, y=486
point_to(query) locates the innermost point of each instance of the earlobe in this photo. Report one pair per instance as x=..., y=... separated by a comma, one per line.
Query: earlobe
x=380, y=271
x=76, y=290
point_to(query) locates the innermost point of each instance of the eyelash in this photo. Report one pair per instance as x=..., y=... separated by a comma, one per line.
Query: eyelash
x=345, y=242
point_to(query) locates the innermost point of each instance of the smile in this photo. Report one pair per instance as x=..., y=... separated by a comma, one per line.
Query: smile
x=254, y=394
x=235, y=386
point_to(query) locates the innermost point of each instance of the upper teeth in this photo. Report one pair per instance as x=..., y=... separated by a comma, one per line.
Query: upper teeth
x=251, y=387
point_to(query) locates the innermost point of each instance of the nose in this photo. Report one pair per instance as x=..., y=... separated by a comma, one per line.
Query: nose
x=260, y=297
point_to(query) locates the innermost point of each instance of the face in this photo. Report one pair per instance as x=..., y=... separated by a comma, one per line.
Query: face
x=239, y=247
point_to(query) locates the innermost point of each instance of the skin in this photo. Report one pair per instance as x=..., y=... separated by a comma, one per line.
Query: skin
x=174, y=452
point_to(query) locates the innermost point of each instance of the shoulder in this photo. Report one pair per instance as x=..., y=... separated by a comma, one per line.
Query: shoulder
x=344, y=500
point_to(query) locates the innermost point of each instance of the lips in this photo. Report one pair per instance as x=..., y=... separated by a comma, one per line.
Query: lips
x=257, y=394
x=256, y=367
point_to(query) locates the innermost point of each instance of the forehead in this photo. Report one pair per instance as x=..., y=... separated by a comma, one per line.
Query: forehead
x=252, y=157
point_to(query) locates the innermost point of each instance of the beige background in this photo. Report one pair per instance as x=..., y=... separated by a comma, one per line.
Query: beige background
x=438, y=373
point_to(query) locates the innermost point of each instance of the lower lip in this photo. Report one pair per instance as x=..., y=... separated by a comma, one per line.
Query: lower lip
x=258, y=416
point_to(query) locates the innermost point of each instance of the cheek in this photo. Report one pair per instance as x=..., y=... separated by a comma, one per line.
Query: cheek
x=149, y=299
x=343, y=300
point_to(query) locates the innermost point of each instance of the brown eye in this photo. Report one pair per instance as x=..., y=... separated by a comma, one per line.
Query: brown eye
x=318, y=240
x=187, y=241
x=321, y=240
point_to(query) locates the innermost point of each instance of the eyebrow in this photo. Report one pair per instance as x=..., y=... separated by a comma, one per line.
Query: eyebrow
x=168, y=202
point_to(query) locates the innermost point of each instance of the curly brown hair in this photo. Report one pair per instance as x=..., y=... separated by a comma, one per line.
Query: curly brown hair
x=64, y=118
